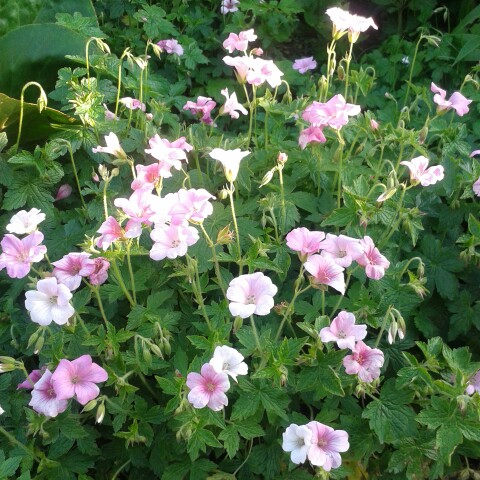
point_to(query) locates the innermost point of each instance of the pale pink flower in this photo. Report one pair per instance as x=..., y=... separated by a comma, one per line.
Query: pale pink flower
x=373, y=124
x=111, y=231
x=44, y=399
x=476, y=187
x=137, y=208
x=72, y=268
x=229, y=6
x=304, y=64
x=207, y=388
x=419, y=173
x=251, y=294
x=113, y=147
x=33, y=377
x=147, y=176
x=63, y=191
x=171, y=46
x=474, y=153
x=172, y=241
x=341, y=249
x=333, y=113
x=311, y=135
x=167, y=156
x=239, y=42
x=192, y=205
x=304, y=241
x=78, y=378
x=364, y=362
x=326, y=445
x=100, y=272
x=228, y=360
x=456, y=101
x=262, y=71
x=325, y=272
x=203, y=107
x=374, y=262
x=231, y=105
x=344, y=22
x=132, y=104
x=230, y=159
x=343, y=331
x=180, y=143
x=298, y=440
x=49, y=302
x=19, y=254
x=25, y=222
x=242, y=66
x=473, y=384
x=161, y=207
x=109, y=116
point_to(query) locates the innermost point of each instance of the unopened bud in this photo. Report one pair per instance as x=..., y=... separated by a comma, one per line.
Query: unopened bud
x=422, y=135
x=64, y=191
x=147, y=356
x=39, y=345
x=373, y=124
x=95, y=177
x=90, y=406
x=387, y=194
x=280, y=308
x=167, y=348
x=225, y=236
x=392, y=332
x=156, y=350
x=42, y=101
x=237, y=324
x=115, y=172
x=256, y=51
x=103, y=171
x=100, y=415
x=222, y=194
x=7, y=364
x=282, y=158
x=267, y=177
x=341, y=73
x=149, y=117
x=33, y=338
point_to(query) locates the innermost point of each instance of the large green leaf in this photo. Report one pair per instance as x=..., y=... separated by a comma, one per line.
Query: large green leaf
x=36, y=125
x=51, y=7
x=36, y=53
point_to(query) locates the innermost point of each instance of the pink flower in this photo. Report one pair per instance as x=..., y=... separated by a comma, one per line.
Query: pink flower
x=49, y=302
x=344, y=22
x=171, y=46
x=251, y=294
x=133, y=104
x=25, y=222
x=147, y=176
x=476, y=187
x=326, y=272
x=167, y=155
x=334, y=113
x=364, y=362
x=304, y=64
x=242, y=66
x=239, y=42
x=111, y=231
x=231, y=105
x=100, y=273
x=229, y=6
x=343, y=331
x=374, y=262
x=18, y=255
x=419, y=173
x=473, y=384
x=456, y=101
x=203, y=106
x=192, y=205
x=228, y=360
x=33, y=377
x=109, y=116
x=207, y=389
x=474, y=153
x=262, y=71
x=326, y=445
x=230, y=159
x=311, y=135
x=64, y=191
x=113, y=147
x=342, y=249
x=298, y=440
x=137, y=208
x=180, y=143
x=304, y=241
x=373, y=124
x=44, y=399
x=72, y=268
x=78, y=378
x=172, y=241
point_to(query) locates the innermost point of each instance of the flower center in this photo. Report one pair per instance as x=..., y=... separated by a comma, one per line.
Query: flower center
x=341, y=334
x=51, y=392
x=321, y=442
x=53, y=300
x=251, y=300
x=75, y=379
x=210, y=387
x=175, y=243
x=342, y=253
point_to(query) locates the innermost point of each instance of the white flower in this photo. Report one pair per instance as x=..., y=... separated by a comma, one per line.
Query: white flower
x=113, y=147
x=230, y=361
x=25, y=222
x=230, y=159
x=50, y=302
x=298, y=440
x=1, y=411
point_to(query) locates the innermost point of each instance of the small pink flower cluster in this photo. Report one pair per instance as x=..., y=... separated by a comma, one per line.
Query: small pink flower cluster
x=304, y=64
x=250, y=68
x=319, y=443
x=419, y=173
x=171, y=46
x=473, y=384
x=333, y=114
x=337, y=253
x=229, y=6
x=207, y=388
x=76, y=378
x=456, y=101
x=364, y=361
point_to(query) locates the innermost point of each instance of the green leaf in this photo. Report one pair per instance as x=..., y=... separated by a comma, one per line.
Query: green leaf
x=231, y=440
x=448, y=438
x=51, y=7
x=9, y=466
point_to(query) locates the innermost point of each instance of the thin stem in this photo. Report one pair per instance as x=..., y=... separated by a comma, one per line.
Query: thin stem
x=121, y=283
x=282, y=198
x=349, y=59
x=384, y=325
x=96, y=292
x=235, y=225
x=105, y=206
x=215, y=260
x=197, y=290
x=392, y=227
x=340, y=167
x=411, y=70
x=70, y=151
x=255, y=334
x=117, y=473
x=130, y=271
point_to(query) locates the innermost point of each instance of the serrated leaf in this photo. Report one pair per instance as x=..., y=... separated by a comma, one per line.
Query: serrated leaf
x=231, y=440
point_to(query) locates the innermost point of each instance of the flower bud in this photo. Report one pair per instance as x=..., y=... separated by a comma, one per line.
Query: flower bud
x=149, y=116
x=114, y=173
x=42, y=101
x=90, y=406
x=222, y=194
x=392, y=332
x=100, y=415
x=103, y=171
x=147, y=356
x=64, y=191
x=373, y=124
x=225, y=236
x=39, y=345
x=167, y=348
x=33, y=338
x=282, y=158
x=156, y=350
x=267, y=177
x=422, y=135
x=237, y=324
x=341, y=73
